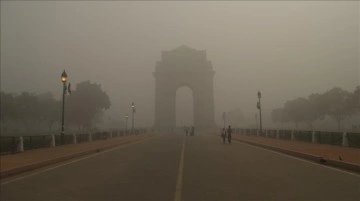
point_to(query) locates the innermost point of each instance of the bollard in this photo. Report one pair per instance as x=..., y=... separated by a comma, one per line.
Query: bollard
x=74, y=139
x=52, y=141
x=345, y=141
x=90, y=137
x=277, y=134
x=20, y=145
x=313, y=137
x=292, y=135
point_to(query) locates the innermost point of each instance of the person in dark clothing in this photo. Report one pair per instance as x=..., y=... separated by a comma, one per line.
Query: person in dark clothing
x=223, y=134
x=229, y=131
x=192, y=131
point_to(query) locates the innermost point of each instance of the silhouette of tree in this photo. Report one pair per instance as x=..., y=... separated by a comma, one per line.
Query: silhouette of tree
x=7, y=106
x=336, y=103
x=312, y=110
x=354, y=99
x=27, y=110
x=7, y=109
x=85, y=105
x=49, y=110
x=296, y=110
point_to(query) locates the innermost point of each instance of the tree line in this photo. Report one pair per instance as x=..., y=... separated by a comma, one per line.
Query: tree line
x=336, y=103
x=31, y=113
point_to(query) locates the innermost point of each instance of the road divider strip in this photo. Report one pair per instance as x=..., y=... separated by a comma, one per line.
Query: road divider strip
x=178, y=189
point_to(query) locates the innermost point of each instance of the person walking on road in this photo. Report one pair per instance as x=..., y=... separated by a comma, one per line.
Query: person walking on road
x=223, y=134
x=229, y=131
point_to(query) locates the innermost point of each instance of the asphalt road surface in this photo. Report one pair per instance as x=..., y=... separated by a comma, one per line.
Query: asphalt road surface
x=174, y=167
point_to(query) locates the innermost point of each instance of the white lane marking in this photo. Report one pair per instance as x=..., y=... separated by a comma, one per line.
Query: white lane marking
x=300, y=159
x=75, y=160
x=178, y=189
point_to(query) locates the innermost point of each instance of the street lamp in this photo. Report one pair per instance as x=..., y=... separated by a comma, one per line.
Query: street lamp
x=126, y=120
x=259, y=107
x=133, y=111
x=63, y=80
x=256, y=124
x=224, y=118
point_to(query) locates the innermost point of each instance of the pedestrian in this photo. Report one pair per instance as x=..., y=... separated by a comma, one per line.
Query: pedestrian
x=223, y=135
x=187, y=131
x=229, y=131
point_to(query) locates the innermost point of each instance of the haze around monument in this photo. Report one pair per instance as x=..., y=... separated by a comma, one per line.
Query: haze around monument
x=284, y=49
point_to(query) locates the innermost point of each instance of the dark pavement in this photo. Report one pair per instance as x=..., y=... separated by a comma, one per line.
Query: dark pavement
x=148, y=170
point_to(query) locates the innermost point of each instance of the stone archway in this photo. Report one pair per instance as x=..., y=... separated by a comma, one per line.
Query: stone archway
x=179, y=67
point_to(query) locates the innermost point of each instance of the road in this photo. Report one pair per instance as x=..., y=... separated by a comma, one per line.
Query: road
x=174, y=167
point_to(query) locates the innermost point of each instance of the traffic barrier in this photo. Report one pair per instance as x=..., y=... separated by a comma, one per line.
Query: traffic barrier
x=346, y=139
x=12, y=144
x=52, y=142
x=20, y=146
x=345, y=142
x=74, y=139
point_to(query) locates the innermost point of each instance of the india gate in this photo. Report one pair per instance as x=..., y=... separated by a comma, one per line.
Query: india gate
x=180, y=67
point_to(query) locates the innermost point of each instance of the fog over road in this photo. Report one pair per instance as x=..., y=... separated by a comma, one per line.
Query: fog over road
x=149, y=170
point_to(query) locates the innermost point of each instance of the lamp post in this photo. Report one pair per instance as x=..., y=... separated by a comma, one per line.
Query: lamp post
x=256, y=125
x=133, y=111
x=224, y=118
x=259, y=107
x=63, y=80
x=126, y=120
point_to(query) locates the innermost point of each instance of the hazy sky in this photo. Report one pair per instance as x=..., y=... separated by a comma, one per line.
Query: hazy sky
x=285, y=49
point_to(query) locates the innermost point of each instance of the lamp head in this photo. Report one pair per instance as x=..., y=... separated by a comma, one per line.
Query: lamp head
x=63, y=77
x=259, y=94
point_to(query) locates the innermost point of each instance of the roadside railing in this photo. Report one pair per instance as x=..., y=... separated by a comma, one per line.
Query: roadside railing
x=346, y=139
x=8, y=144
x=16, y=144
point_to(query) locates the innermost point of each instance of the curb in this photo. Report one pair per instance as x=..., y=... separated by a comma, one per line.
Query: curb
x=33, y=166
x=314, y=158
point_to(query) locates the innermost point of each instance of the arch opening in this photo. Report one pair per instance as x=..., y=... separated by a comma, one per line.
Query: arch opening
x=184, y=102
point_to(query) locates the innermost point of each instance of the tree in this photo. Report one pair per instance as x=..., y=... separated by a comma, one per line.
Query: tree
x=312, y=110
x=354, y=99
x=337, y=104
x=27, y=109
x=50, y=109
x=86, y=104
x=7, y=106
x=7, y=109
x=297, y=110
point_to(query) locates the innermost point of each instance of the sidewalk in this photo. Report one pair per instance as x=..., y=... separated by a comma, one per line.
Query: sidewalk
x=338, y=156
x=36, y=158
